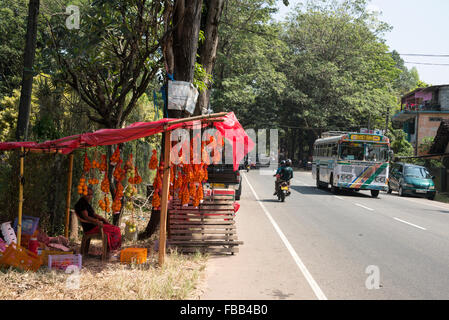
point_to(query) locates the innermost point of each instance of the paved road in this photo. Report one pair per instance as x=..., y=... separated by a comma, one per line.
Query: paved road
x=318, y=245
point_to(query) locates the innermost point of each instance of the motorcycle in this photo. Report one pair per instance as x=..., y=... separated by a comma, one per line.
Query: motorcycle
x=248, y=167
x=283, y=191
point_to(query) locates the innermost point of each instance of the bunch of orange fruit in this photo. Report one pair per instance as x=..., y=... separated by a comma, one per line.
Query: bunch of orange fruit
x=152, y=165
x=115, y=158
x=93, y=181
x=105, y=184
x=87, y=165
x=104, y=205
x=82, y=186
x=103, y=166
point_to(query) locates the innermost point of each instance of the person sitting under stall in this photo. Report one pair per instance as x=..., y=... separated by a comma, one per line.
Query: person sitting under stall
x=85, y=211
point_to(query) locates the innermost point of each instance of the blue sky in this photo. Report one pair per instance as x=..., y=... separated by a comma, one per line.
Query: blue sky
x=419, y=27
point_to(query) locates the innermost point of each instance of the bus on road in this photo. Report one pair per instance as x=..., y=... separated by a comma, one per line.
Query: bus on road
x=355, y=161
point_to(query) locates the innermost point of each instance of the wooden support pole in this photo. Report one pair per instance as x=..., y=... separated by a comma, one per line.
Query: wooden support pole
x=69, y=196
x=164, y=199
x=19, y=223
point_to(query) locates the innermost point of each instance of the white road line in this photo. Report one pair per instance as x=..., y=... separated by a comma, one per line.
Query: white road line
x=316, y=289
x=414, y=225
x=424, y=203
x=340, y=198
x=362, y=206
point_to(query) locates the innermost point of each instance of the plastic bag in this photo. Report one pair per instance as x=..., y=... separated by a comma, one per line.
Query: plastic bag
x=182, y=96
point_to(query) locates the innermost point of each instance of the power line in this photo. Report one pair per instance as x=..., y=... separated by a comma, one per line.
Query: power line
x=425, y=55
x=428, y=64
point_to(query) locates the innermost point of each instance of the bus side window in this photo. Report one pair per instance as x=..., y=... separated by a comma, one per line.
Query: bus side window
x=334, y=150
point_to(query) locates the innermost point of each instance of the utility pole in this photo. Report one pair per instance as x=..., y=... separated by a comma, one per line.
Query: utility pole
x=387, y=120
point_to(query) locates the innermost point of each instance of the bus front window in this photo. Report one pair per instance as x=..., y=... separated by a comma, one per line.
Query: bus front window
x=351, y=151
x=378, y=153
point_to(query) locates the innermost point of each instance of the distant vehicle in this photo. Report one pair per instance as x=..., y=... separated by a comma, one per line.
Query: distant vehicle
x=309, y=165
x=409, y=179
x=223, y=176
x=352, y=161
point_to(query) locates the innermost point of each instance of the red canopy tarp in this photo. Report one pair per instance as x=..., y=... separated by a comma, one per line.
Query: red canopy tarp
x=230, y=128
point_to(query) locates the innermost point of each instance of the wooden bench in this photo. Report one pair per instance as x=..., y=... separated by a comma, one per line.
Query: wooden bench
x=210, y=228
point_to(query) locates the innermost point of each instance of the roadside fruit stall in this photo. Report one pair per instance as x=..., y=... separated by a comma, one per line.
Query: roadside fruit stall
x=180, y=182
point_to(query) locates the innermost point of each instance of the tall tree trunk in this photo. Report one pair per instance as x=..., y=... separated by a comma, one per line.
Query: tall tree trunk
x=208, y=51
x=180, y=55
x=186, y=20
x=27, y=76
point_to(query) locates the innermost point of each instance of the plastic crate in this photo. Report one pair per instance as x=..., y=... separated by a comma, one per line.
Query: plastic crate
x=62, y=261
x=133, y=255
x=20, y=258
x=45, y=253
x=29, y=225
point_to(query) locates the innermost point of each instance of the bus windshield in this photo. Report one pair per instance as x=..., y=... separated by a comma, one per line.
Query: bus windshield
x=363, y=152
x=376, y=152
x=351, y=151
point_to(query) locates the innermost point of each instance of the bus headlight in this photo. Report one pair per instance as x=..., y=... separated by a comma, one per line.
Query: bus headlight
x=380, y=179
x=346, y=177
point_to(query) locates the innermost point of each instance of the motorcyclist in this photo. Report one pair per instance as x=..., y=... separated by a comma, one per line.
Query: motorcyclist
x=278, y=175
x=287, y=172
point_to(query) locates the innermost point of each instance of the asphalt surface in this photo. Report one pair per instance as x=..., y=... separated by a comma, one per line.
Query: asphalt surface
x=318, y=245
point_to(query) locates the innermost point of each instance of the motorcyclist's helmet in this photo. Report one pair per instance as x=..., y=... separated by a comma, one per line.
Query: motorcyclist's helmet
x=289, y=163
x=283, y=163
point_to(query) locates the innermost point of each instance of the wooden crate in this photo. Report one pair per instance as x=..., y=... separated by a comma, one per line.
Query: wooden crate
x=210, y=228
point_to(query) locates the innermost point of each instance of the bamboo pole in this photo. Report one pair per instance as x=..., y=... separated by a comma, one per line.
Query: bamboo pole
x=164, y=199
x=69, y=194
x=208, y=116
x=19, y=223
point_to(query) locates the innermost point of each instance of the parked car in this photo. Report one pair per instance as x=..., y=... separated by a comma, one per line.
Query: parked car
x=410, y=179
x=224, y=176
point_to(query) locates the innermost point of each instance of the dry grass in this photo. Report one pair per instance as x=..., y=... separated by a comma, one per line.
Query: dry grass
x=180, y=278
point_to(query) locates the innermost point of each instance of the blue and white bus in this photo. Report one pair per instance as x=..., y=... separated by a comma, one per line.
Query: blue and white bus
x=355, y=161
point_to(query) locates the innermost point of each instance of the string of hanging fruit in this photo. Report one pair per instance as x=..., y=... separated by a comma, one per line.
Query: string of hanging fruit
x=186, y=179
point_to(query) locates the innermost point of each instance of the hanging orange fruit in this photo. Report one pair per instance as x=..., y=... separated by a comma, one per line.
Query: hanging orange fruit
x=129, y=163
x=105, y=184
x=137, y=177
x=200, y=192
x=156, y=203
x=157, y=184
x=87, y=165
x=153, y=161
x=178, y=181
x=102, y=166
x=118, y=171
x=82, y=186
x=185, y=197
x=115, y=156
x=93, y=181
